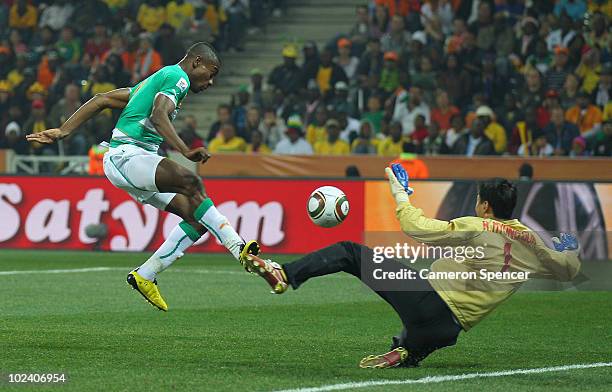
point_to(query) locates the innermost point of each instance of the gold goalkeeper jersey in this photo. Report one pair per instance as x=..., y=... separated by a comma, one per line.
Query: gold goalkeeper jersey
x=508, y=246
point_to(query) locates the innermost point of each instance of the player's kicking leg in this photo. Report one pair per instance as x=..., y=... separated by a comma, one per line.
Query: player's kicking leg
x=424, y=314
x=182, y=193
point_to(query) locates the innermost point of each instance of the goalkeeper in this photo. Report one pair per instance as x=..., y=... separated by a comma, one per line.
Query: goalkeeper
x=434, y=312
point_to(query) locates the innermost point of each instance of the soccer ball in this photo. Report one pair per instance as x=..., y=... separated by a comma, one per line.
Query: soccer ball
x=327, y=206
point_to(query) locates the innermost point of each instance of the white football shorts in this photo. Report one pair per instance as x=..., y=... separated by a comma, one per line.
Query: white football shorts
x=132, y=169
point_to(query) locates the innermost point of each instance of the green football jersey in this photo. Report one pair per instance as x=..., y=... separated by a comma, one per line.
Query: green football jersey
x=134, y=125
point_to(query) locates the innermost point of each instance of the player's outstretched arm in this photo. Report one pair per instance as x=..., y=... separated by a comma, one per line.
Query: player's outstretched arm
x=115, y=99
x=162, y=108
x=563, y=262
x=412, y=220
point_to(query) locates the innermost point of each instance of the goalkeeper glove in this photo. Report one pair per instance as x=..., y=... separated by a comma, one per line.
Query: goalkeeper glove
x=566, y=241
x=398, y=182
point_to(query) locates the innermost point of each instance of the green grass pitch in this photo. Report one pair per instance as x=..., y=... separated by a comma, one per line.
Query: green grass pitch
x=225, y=332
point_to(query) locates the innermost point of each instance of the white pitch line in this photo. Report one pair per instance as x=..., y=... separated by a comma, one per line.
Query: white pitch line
x=106, y=269
x=438, y=379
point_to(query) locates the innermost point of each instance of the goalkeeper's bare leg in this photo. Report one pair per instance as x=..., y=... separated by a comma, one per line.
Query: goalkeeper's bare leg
x=428, y=322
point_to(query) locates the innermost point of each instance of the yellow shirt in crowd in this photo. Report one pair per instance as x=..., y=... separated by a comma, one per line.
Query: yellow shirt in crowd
x=235, y=144
x=497, y=134
x=389, y=148
x=339, y=147
x=177, y=15
x=151, y=18
x=315, y=133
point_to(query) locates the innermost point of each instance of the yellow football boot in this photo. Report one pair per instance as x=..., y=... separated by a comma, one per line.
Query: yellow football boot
x=148, y=289
x=249, y=248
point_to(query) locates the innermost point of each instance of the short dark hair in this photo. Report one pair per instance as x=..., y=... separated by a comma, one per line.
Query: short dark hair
x=501, y=195
x=204, y=50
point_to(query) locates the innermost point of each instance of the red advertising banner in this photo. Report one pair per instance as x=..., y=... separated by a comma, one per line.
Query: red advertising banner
x=53, y=212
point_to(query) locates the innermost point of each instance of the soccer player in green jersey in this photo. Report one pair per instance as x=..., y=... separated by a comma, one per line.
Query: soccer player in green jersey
x=132, y=162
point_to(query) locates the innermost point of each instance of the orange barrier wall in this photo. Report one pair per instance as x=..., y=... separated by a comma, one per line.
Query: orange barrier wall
x=447, y=167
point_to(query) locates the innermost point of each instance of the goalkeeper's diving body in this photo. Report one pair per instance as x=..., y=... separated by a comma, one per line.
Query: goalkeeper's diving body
x=434, y=312
x=132, y=162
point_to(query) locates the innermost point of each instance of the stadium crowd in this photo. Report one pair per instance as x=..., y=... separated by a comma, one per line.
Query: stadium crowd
x=467, y=77
x=56, y=54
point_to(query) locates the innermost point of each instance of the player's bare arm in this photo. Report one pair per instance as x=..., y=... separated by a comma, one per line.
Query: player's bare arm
x=162, y=108
x=115, y=99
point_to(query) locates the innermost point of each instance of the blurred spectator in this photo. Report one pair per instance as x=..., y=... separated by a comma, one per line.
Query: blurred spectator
x=533, y=92
x=168, y=45
x=189, y=133
x=589, y=69
x=390, y=75
x=537, y=147
x=397, y=39
x=360, y=32
x=23, y=17
x=151, y=15
x=66, y=106
x=273, y=128
x=380, y=20
x=483, y=28
x=523, y=133
x=310, y=65
x=239, y=110
x=13, y=139
x=493, y=130
x=236, y=11
x=332, y=145
x=455, y=80
x=603, y=91
x=312, y=102
x=570, y=91
x=68, y=46
x=98, y=44
x=328, y=74
x=316, y=131
x=365, y=143
x=227, y=141
x=56, y=14
x=435, y=142
x=475, y=142
x=224, y=116
x=48, y=68
x=294, y=142
x=17, y=44
x=118, y=47
x=408, y=107
x=215, y=18
x=37, y=123
x=393, y=145
x=579, y=147
x=560, y=133
x=529, y=29
x=253, y=121
x=349, y=127
x=256, y=88
x=585, y=115
x=257, y=144
x=180, y=14
x=437, y=13
x=457, y=129
x=339, y=101
x=371, y=62
x=420, y=130
x=348, y=62
x=541, y=59
x=563, y=35
x=287, y=76
x=374, y=114
x=444, y=111
x=117, y=73
x=556, y=75
x=603, y=140
x=147, y=60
